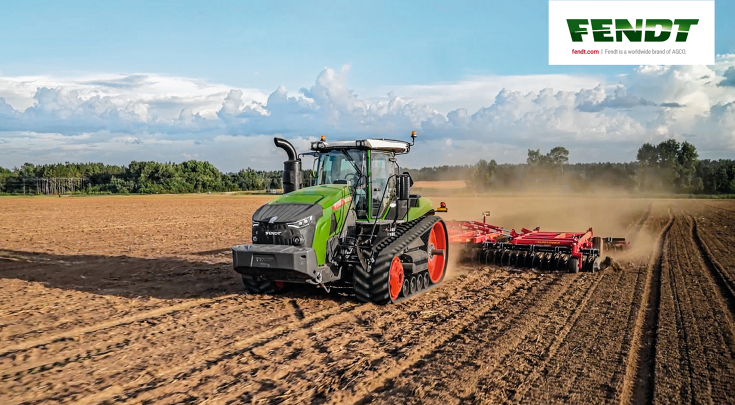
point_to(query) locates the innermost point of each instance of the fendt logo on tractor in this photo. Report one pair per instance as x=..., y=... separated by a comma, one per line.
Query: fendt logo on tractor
x=656, y=30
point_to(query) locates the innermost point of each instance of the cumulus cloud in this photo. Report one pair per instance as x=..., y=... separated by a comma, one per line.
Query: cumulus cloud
x=144, y=115
x=729, y=77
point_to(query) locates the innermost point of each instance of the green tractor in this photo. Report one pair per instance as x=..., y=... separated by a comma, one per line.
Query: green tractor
x=358, y=227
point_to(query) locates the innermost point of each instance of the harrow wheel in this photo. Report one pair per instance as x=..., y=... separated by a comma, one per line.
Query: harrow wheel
x=556, y=261
x=520, y=259
x=488, y=257
x=573, y=265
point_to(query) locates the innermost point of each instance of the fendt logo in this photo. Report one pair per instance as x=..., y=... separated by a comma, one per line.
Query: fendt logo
x=656, y=30
x=631, y=32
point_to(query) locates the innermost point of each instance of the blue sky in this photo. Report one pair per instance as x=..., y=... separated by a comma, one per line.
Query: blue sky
x=271, y=43
x=421, y=51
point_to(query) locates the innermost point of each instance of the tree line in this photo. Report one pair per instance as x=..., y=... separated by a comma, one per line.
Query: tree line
x=669, y=166
x=139, y=177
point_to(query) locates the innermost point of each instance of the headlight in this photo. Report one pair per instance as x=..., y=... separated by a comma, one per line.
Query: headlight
x=301, y=223
x=255, y=223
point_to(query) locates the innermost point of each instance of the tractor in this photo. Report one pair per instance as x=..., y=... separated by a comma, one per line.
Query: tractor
x=358, y=227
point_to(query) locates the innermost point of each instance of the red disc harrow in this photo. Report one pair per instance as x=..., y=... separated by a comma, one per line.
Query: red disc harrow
x=491, y=244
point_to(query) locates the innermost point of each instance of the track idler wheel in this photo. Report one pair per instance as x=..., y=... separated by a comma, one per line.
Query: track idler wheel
x=406, y=290
x=437, y=243
x=395, y=278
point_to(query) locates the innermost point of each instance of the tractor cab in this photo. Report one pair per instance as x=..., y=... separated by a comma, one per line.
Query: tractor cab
x=369, y=167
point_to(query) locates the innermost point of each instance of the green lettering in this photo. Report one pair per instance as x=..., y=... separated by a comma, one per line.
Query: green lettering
x=576, y=30
x=684, y=26
x=599, y=30
x=624, y=27
x=651, y=30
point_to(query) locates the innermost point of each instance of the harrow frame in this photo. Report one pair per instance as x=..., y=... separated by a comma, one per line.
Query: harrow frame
x=492, y=244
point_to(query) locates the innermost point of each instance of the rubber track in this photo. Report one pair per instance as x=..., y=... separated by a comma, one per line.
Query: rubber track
x=641, y=357
x=371, y=285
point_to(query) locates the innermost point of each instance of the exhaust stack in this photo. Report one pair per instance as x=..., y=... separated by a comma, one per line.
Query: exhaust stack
x=291, y=168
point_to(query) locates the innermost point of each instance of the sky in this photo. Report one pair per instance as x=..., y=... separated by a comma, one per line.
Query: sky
x=217, y=80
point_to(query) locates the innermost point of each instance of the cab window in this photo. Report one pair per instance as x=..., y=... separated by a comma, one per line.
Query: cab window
x=382, y=182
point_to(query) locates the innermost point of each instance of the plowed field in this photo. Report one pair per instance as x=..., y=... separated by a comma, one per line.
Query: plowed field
x=133, y=300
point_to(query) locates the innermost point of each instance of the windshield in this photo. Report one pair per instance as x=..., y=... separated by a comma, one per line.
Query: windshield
x=334, y=167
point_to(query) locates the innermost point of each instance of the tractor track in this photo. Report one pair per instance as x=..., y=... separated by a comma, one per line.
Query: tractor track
x=639, y=376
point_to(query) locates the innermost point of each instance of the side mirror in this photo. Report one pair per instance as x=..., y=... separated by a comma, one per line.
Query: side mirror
x=404, y=186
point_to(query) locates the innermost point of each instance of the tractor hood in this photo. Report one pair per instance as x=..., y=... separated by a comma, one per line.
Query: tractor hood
x=299, y=204
x=324, y=195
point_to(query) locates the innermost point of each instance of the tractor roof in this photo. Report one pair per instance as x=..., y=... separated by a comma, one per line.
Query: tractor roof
x=372, y=144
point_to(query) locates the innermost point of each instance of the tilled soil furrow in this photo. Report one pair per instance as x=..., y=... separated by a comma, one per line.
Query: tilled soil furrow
x=638, y=381
x=724, y=283
x=519, y=357
x=116, y=368
x=130, y=336
x=679, y=349
x=441, y=334
x=160, y=371
x=46, y=339
x=559, y=339
x=727, y=210
x=477, y=352
x=524, y=357
x=338, y=358
x=696, y=361
x=706, y=338
x=641, y=222
x=590, y=364
x=583, y=368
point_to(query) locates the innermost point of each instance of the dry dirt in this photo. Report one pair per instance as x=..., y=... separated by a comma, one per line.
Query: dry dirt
x=133, y=300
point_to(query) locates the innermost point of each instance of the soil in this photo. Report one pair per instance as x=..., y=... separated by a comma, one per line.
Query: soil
x=133, y=300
